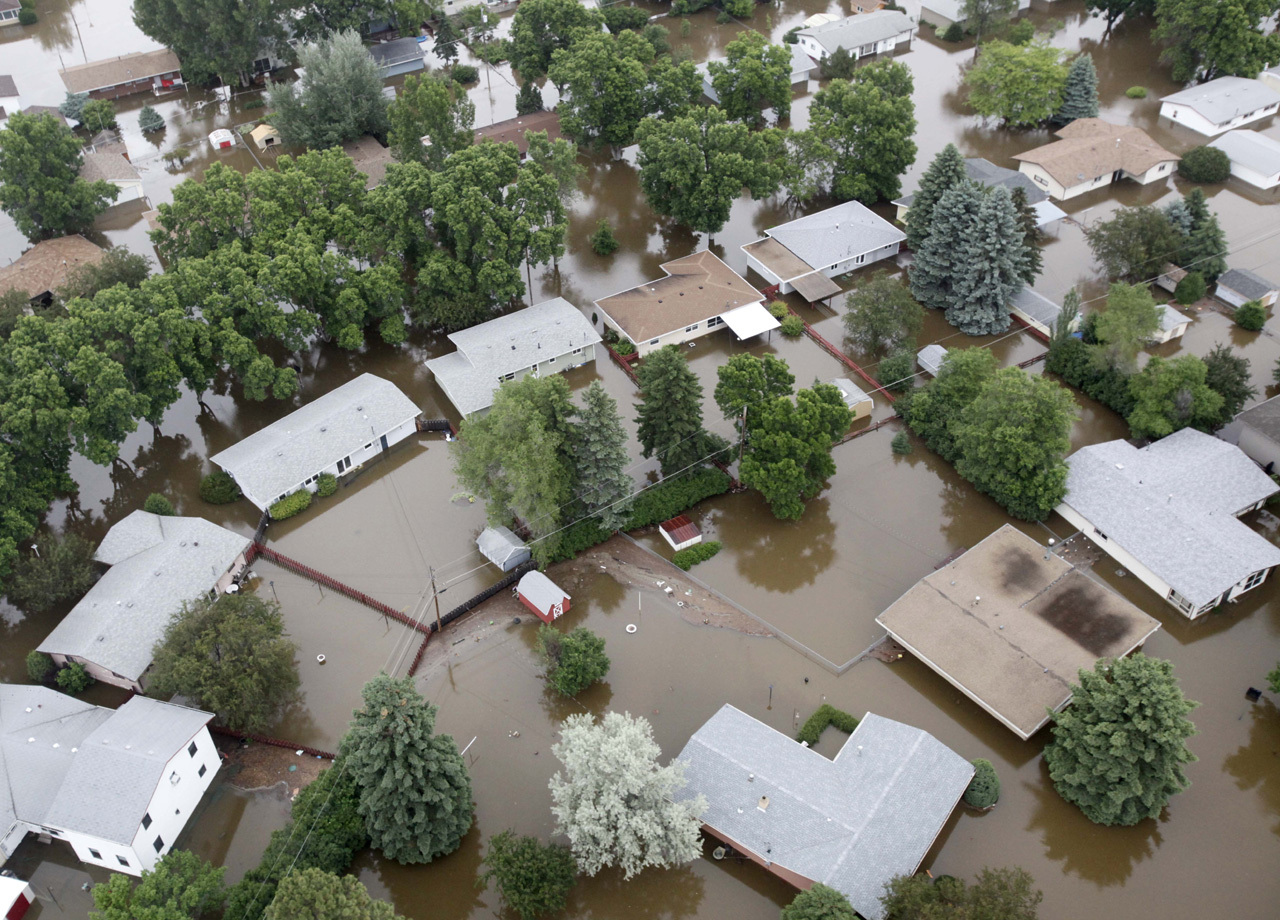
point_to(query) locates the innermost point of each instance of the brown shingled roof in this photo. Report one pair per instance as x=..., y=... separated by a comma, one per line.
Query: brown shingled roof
x=45, y=266
x=7, y=86
x=370, y=158
x=108, y=162
x=1091, y=147
x=513, y=129
x=83, y=78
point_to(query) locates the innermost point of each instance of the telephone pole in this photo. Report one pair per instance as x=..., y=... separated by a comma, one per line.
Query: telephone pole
x=435, y=596
x=742, y=438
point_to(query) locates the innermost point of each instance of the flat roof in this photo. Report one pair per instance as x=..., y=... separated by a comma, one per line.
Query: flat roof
x=1251, y=149
x=750, y=321
x=815, y=286
x=777, y=258
x=1011, y=629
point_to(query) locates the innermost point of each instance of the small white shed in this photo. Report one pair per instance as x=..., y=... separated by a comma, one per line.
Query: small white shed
x=859, y=403
x=221, y=139
x=1173, y=324
x=503, y=548
x=930, y=359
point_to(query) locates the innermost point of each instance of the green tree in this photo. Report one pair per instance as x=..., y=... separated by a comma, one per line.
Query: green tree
x=755, y=75
x=1080, y=92
x=574, y=660
x=1119, y=749
x=158, y=504
x=984, y=788
x=529, y=100
x=319, y=894
x=1273, y=679
x=670, y=412
x=1126, y=326
x=897, y=370
x=213, y=38
x=613, y=800
x=1205, y=164
x=941, y=259
x=1228, y=374
x=618, y=18
x=74, y=679
x=532, y=879
x=997, y=894
x=747, y=383
x=995, y=267
x=819, y=903
x=1022, y=85
x=944, y=173
x=1031, y=235
x=1205, y=39
x=62, y=568
x=1251, y=315
x=599, y=449
x=182, y=886
x=982, y=17
x=1190, y=289
x=98, y=115
x=881, y=315
x=1135, y=243
x=117, y=266
x=339, y=97
x=1113, y=10
x=542, y=27
x=447, y=40
x=937, y=408
x=415, y=794
x=39, y=666
x=229, y=656
x=559, y=160
x=73, y=106
x=40, y=184
x=602, y=240
x=1171, y=394
x=1205, y=246
x=431, y=107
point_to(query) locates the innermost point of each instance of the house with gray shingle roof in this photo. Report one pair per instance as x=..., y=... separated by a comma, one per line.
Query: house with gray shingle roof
x=989, y=175
x=1256, y=431
x=1255, y=157
x=118, y=786
x=9, y=10
x=1220, y=105
x=1238, y=286
x=860, y=35
x=1169, y=513
x=1038, y=312
x=546, y=338
x=333, y=433
x=852, y=823
x=158, y=563
x=398, y=56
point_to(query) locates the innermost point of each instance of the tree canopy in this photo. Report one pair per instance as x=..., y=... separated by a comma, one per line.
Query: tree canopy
x=213, y=38
x=881, y=315
x=315, y=893
x=1127, y=325
x=1019, y=84
x=339, y=97
x=542, y=27
x=1205, y=39
x=996, y=894
x=1135, y=243
x=1080, y=92
x=936, y=409
x=62, y=569
x=982, y=17
x=182, y=886
x=1228, y=375
x=431, y=107
x=1171, y=394
x=599, y=448
x=819, y=903
x=749, y=382
x=944, y=173
x=532, y=879
x=755, y=75
x=574, y=660
x=670, y=412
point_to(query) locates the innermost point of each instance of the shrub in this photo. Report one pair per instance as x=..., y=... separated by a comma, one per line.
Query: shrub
x=1136, y=92
x=290, y=505
x=98, y=114
x=38, y=666
x=1072, y=361
x=901, y=443
x=624, y=348
x=671, y=496
x=578, y=538
x=27, y=16
x=150, y=120
x=984, y=788
x=533, y=880
x=158, y=504
x=1251, y=316
x=1190, y=289
x=602, y=241
x=897, y=371
x=699, y=552
x=219, y=488
x=825, y=715
x=792, y=37
x=575, y=660
x=779, y=310
x=723, y=18
x=74, y=679
x=250, y=104
x=326, y=485
x=1205, y=164
x=465, y=73
x=792, y=327
x=953, y=33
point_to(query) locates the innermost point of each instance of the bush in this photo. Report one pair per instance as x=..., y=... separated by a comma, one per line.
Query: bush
x=98, y=114
x=984, y=788
x=901, y=443
x=723, y=18
x=74, y=679
x=624, y=348
x=533, y=880
x=792, y=327
x=326, y=485
x=575, y=660
x=779, y=310
x=953, y=33
x=465, y=73
x=1072, y=361
x=699, y=552
x=1251, y=316
x=825, y=715
x=158, y=504
x=27, y=17
x=38, y=666
x=1136, y=92
x=1204, y=164
x=792, y=37
x=251, y=104
x=897, y=371
x=290, y=505
x=1190, y=289
x=219, y=488
x=672, y=496
x=602, y=241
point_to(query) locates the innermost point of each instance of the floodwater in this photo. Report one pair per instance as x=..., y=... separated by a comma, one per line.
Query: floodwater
x=883, y=522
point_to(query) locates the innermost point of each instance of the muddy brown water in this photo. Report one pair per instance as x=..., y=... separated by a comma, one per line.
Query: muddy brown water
x=883, y=522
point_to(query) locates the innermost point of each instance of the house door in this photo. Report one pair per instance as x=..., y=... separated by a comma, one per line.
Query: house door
x=384, y=442
x=1117, y=175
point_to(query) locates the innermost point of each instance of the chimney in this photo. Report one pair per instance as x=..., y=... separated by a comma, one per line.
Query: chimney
x=764, y=802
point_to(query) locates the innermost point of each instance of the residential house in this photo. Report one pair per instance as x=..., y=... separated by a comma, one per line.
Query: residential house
x=1220, y=105
x=10, y=101
x=1038, y=312
x=369, y=157
x=803, y=255
x=547, y=338
x=1256, y=431
x=855, y=398
x=930, y=359
x=16, y=895
x=110, y=163
x=860, y=35
x=1093, y=153
x=1010, y=624
x=45, y=267
x=700, y=293
x=141, y=72
x=1168, y=513
x=515, y=130
x=1173, y=324
x=266, y=136
x=989, y=175
x=680, y=532
x=1271, y=77
x=542, y=596
x=158, y=564
x=503, y=548
x=333, y=434
x=801, y=69
x=9, y=10
x=852, y=823
x=1255, y=158
x=117, y=785
x=1238, y=286
x=398, y=56
x=942, y=13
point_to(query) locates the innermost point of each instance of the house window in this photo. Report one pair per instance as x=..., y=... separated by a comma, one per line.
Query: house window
x=94, y=853
x=551, y=360
x=1099, y=534
x=509, y=377
x=691, y=328
x=174, y=778
x=159, y=844
x=715, y=321
x=1180, y=602
x=653, y=341
x=122, y=861
x=261, y=65
x=367, y=446
x=191, y=749
x=146, y=821
x=203, y=770
x=1254, y=580
x=1041, y=181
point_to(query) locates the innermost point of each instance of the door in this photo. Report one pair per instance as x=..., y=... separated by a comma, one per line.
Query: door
x=383, y=439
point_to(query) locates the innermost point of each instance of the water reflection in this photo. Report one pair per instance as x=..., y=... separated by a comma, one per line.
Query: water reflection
x=1253, y=765
x=653, y=895
x=784, y=557
x=452, y=893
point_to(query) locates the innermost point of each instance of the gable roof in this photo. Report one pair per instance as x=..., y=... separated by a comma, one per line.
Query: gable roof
x=852, y=823
x=46, y=265
x=1263, y=418
x=158, y=563
x=1172, y=505
x=1037, y=306
x=852, y=394
x=1243, y=281
x=1170, y=318
x=369, y=157
x=1251, y=150
x=541, y=591
x=396, y=51
x=930, y=358
x=988, y=174
x=836, y=234
x=127, y=68
x=863, y=29
x=502, y=547
x=1091, y=147
x=110, y=163
x=8, y=88
x=1224, y=99
x=513, y=130
x=680, y=528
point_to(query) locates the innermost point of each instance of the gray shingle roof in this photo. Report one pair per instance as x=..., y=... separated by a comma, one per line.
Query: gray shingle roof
x=930, y=358
x=1251, y=150
x=1172, y=505
x=1263, y=418
x=988, y=174
x=852, y=823
x=8, y=88
x=862, y=29
x=396, y=51
x=1225, y=98
x=836, y=234
x=508, y=344
x=501, y=547
x=1171, y=319
x=1037, y=306
x=1243, y=281
x=280, y=457
x=157, y=565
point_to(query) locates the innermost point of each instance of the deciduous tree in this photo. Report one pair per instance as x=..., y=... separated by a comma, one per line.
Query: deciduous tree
x=182, y=886
x=574, y=660
x=755, y=75
x=1171, y=394
x=118, y=266
x=981, y=17
x=819, y=903
x=881, y=315
x=1113, y=10
x=997, y=894
x=1135, y=243
x=1019, y=84
x=314, y=893
x=542, y=27
x=339, y=97
x=944, y=173
x=670, y=412
x=1126, y=326
x=60, y=568
x=1205, y=39
x=937, y=408
x=746, y=382
x=1228, y=374
x=213, y=38
x=430, y=107
x=532, y=879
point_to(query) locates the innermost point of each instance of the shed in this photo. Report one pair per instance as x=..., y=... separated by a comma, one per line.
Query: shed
x=1173, y=323
x=1040, y=313
x=543, y=596
x=503, y=548
x=680, y=532
x=1238, y=286
x=1170, y=277
x=930, y=359
x=221, y=139
x=265, y=136
x=16, y=895
x=859, y=403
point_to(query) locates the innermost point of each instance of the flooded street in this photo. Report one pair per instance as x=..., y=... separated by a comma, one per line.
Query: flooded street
x=883, y=522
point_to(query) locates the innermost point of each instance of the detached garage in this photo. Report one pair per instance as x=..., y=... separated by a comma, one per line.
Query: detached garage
x=543, y=596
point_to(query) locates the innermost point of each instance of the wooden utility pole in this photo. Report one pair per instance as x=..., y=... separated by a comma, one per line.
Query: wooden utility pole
x=435, y=596
x=742, y=438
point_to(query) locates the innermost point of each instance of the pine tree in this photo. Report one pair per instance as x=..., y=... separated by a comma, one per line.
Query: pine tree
x=1205, y=244
x=415, y=794
x=1080, y=96
x=600, y=458
x=995, y=266
x=944, y=173
x=150, y=120
x=670, y=419
x=943, y=256
x=529, y=99
x=1031, y=235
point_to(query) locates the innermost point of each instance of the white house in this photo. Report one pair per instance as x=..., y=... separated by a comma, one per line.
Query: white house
x=1168, y=513
x=1255, y=158
x=10, y=101
x=1039, y=312
x=332, y=434
x=1093, y=153
x=861, y=35
x=16, y=897
x=547, y=338
x=801, y=69
x=1173, y=324
x=158, y=563
x=398, y=56
x=930, y=359
x=1256, y=431
x=110, y=163
x=988, y=174
x=942, y=13
x=1238, y=286
x=9, y=10
x=804, y=255
x=1221, y=104
x=118, y=786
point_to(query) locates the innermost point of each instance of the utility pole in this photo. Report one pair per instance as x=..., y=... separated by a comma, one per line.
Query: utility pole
x=742, y=438
x=435, y=596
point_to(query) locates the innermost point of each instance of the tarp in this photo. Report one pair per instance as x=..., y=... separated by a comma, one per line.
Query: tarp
x=815, y=286
x=750, y=320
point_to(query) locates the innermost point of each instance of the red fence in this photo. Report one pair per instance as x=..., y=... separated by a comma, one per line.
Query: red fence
x=274, y=742
x=1030, y=361
x=844, y=359
x=870, y=428
x=623, y=363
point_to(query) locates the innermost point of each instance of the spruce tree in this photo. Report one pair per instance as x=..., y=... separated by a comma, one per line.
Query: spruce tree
x=943, y=256
x=670, y=419
x=944, y=173
x=1080, y=95
x=1030, y=236
x=992, y=268
x=529, y=99
x=600, y=458
x=415, y=794
x=1205, y=243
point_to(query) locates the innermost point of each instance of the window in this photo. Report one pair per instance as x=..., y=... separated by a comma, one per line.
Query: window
x=715, y=321
x=191, y=749
x=159, y=844
x=509, y=377
x=203, y=770
x=262, y=64
x=367, y=446
x=1040, y=180
x=146, y=821
x=174, y=778
x=122, y=861
x=1180, y=602
x=551, y=360
x=1254, y=580
x=653, y=341
x=94, y=853
x=1099, y=534
x=691, y=328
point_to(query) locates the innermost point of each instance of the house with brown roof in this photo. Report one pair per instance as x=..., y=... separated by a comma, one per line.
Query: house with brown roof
x=10, y=100
x=1093, y=153
x=44, y=267
x=9, y=10
x=700, y=293
x=110, y=163
x=514, y=130
x=370, y=158
x=141, y=72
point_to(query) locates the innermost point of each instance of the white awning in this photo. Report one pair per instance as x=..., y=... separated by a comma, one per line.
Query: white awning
x=1046, y=213
x=750, y=320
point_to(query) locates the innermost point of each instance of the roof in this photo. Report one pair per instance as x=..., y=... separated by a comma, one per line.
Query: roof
x=1172, y=505
x=1037, y=306
x=44, y=110
x=45, y=266
x=1224, y=99
x=69, y=764
x=396, y=51
x=801, y=63
x=1243, y=281
x=750, y=320
x=262, y=132
x=930, y=358
x=1016, y=651
x=852, y=823
x=1263, y=418
x=1251, y=150
x=126, y=68
x=852, y=393
x=1092, y=147
x=278, y=458
x=10, y=4
x=836, y=234
x=488, y=352
x=158, y=563
x=8, y=88
x=110, y=163
x=370, y=158
x=500, y=546
x=815, y=286
x=988, y=174
x=862, y=29
x=541, y=591
x=777, y=258
x=1171, y=319
x=513, y=130
x=680, y=529
x=696, y=288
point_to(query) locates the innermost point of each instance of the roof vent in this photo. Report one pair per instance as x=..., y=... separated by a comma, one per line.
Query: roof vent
x=182, y=542
x=28, y=709
x=764, y=802
x=29, y=740
x=73, y=750
x=751, y=777
x=323, y=428
x=1119, y=466
x=55, y=744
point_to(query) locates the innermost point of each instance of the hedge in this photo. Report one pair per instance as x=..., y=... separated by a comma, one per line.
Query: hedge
x=1071, y=361
x=326, y=485
x=984, y=788
x=825, y=715
x=290, y=505
x=218, y=488
x=699, y=552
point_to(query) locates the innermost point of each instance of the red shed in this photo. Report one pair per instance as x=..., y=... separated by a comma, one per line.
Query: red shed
x=15, y=897
x=543, y=596
x=680, y=532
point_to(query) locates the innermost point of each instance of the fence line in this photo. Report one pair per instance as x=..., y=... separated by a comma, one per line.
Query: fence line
x=622, y=363
x=274, y=742
x=844, y=359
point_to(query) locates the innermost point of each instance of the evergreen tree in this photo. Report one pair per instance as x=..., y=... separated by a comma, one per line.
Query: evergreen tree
x=1031, y=235
x=150, y=120
x=1080, y=96
x=415, y=794
x=1228, y=374
x=942, y=258
x=994, y=265
x=819, y=903
x=670, y=419
x=600, y=458
x=1206, y=245
x=944, y=173
x=533, y=880
x=529, y=99
x=447, y=39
